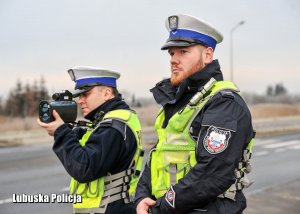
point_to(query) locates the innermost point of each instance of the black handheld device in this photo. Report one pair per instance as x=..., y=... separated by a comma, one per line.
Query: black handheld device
x=62, y=103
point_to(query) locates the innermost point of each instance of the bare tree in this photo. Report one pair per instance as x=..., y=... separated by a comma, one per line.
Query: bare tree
x=1, y=107
x=23, y=101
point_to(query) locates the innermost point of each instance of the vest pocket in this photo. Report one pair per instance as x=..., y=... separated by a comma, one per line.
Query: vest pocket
x=159, y=177
x=93, y=189
x=78, y=188
x=168, y=168
x=87, y=190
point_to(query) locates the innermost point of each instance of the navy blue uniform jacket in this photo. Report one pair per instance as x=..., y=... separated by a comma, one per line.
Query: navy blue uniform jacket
x=198, y=191
x=105, y=151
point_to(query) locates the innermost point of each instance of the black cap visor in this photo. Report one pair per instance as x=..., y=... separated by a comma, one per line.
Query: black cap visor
x=181, y=42
x=78, y=92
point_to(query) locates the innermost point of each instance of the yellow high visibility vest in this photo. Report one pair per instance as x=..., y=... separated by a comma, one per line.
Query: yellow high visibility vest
x=175, y=152
x=93, y=191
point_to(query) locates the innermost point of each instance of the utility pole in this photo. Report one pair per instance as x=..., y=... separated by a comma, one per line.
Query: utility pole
x=231, y=47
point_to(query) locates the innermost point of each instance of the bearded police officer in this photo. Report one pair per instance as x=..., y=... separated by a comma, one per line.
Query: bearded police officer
x=103, y=158
x=204, y=130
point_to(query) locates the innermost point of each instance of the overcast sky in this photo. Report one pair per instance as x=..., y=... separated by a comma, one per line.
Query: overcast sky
x=46, y=38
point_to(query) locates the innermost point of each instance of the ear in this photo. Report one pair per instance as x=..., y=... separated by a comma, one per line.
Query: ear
x=207, y=55
x=108, y=93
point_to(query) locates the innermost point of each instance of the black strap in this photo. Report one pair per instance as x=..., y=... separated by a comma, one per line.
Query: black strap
x=116, y=124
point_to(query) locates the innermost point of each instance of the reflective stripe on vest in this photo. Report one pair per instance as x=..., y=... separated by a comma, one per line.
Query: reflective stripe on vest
x=175, y=151
x=93, y=192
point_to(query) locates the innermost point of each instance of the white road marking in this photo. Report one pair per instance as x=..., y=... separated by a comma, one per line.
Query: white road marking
x=296, y=147
x=6, y=201
x=260, y=153
x=259, y=142
x=280, y=150
x=283, y=144
x=278, y=146
x=65, y=189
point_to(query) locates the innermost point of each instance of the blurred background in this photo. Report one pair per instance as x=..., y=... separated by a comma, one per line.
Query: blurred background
x=41, y=40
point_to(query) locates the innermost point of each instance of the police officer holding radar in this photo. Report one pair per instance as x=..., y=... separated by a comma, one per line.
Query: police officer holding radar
x=204, y=130
x=102, y=156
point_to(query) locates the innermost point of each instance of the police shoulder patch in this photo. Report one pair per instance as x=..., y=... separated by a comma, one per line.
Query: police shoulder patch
x=216, y=140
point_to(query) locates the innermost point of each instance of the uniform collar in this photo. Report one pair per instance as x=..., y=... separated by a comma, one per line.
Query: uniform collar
x=165, y=93
x=112, y=104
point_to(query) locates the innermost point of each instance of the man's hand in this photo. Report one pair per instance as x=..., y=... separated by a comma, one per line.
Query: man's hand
x=51, y=127
x=144, y=205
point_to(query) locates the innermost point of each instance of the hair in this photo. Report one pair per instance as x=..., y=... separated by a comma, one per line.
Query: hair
x=114, y=90
x=203, y=48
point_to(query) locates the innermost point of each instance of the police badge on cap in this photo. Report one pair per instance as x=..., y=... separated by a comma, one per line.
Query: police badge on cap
x=173, y=22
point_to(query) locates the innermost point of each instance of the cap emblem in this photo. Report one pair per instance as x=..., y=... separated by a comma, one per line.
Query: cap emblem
x=173, y=22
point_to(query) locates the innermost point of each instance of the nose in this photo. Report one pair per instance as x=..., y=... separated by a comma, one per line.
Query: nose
x=174, y=59
x=80, y=100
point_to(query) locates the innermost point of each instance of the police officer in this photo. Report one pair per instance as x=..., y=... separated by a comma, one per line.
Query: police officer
x=104, y=157
x=204, y=130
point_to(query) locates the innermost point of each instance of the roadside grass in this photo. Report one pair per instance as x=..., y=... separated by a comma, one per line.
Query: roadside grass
x=18, y=124
x=274, y=110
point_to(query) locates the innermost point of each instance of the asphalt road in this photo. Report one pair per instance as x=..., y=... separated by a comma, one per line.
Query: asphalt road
x=275, y=162
x=34, y=169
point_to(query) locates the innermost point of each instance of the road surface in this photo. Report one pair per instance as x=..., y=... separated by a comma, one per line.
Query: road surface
x=34, y=169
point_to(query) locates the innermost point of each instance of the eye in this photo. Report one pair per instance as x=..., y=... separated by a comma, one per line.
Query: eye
x=171, y=53
x=183, y=51
x=83, y=95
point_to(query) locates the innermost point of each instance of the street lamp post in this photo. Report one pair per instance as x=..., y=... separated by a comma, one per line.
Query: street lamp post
x=231, y=47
